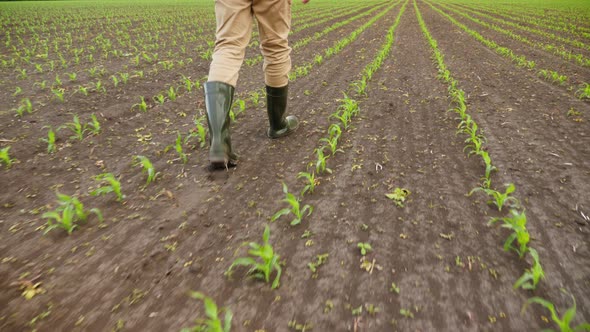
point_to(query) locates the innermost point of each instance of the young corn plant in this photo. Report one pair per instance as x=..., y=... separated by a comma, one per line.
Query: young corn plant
x=124, y=77
x=147, y=167
x=5, y=157
x=262, y=261
x=517, y=224
x=178, y=147
x=295, y=209
x=160, y=99
x=310, y=182
x=332, y=144
x=142, y=105
x=364, y=247
x=584, y=92
x=172, y=93
x=188, y=84
x=255, y=98
x=67, y=214
x=201, y=132
x=212, y=323
x=564, y=323
x=320, y=166
x=108, y=183
x=58, y=93
x=498, y=198
x=50, y=140
x=532, y=276
x=93, y=126
x=76, y=128
x=25, y=106
x=83, y=90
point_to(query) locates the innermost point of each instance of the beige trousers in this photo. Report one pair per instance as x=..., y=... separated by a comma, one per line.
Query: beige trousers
x=234, y=29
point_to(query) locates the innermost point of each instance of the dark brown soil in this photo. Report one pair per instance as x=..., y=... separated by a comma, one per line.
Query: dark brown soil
x=182, y=232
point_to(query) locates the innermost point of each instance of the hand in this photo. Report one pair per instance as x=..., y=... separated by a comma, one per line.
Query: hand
x=305, y=1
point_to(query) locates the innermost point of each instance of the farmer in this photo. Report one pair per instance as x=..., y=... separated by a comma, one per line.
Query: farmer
x=234, y=28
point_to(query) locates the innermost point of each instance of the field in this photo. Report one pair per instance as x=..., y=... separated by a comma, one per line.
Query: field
x=439, y=180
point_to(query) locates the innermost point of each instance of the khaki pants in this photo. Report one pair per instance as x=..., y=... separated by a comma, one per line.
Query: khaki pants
x=234, y=29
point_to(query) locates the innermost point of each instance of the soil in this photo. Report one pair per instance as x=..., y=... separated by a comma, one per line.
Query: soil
x=134, y=271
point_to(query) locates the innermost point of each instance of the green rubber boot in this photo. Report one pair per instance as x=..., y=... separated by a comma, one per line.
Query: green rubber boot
x=276, y=107
x=218, y=100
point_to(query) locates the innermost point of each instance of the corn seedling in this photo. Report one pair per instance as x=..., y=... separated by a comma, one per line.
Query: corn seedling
x=76, y=128
x=584, y=92
x=22, y=73
x=142, y=105
x=564, y=323
x=5, y=157
x=295, y=209
x=68, y=212
x=498, y=198
x=320, y=165
x=99, y=87
x=188, y=84
x=58, y=93
x=517, y=224
x=147, y=167
x=178, y=147
x=72, y=77
x=115, y=80
x=332, y=143
x=50, y=140
x=160, y=99
x=201, y=132
x=58, y=81
x=532, y=276
x=319, y=260
x=212, y=323
x=93, y=126
x=83, y=90
x=25, y=106
x=42, y=85
x=334, y=131
x=124, y=77
x=17, y=91
x=310, y=184
x=398, y=196
x=262, y=261
x=364, y=247
x=255, y=98
x=241, y=106
x=108, y=184
x=172, y=93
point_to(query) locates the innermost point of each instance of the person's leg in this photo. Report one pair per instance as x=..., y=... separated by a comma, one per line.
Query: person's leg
x=274, y=23
x=233, y=32
x=234, y=28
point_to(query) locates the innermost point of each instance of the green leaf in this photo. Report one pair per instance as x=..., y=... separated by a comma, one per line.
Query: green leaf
x=266, y=234
x=280, y=213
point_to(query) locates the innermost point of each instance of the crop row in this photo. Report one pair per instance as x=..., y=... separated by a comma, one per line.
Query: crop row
x=556, y=23
x=519, y=238
x=536, y=31
x=578, y=58
x=582, y=91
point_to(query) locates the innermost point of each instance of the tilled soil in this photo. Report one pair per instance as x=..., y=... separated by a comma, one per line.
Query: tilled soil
x=436, y=265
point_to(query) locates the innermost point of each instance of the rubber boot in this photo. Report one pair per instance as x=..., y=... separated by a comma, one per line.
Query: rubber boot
x=276, y=107
x=218, y=101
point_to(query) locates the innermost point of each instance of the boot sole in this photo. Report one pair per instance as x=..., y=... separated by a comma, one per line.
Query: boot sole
x=286, y=133
x=221, y=162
